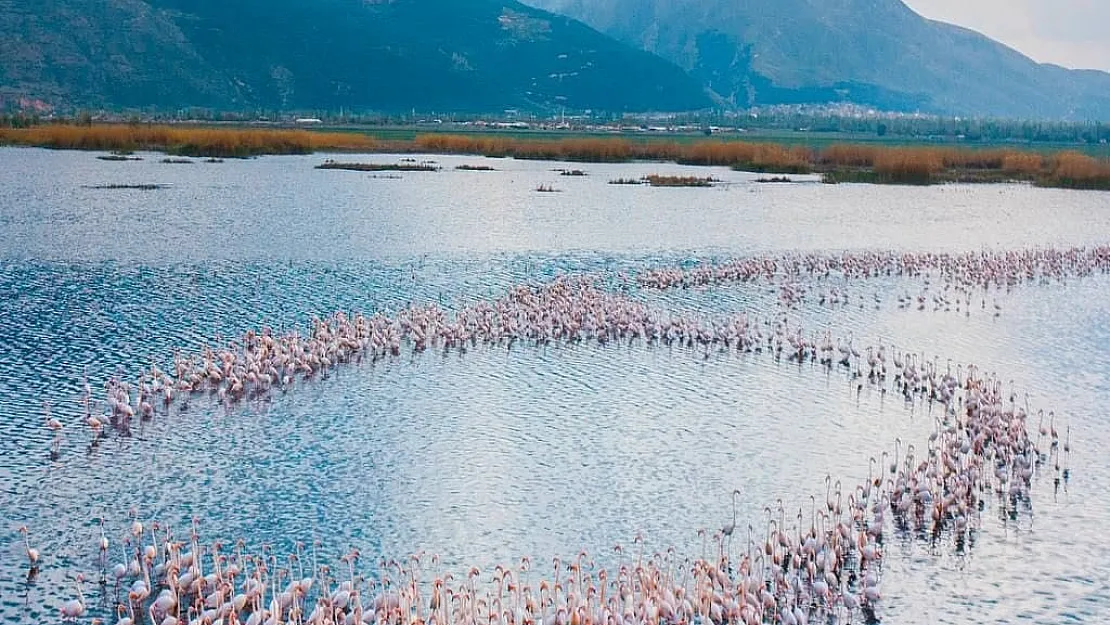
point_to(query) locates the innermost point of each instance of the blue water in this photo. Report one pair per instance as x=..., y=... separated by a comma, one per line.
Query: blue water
x=493, y=454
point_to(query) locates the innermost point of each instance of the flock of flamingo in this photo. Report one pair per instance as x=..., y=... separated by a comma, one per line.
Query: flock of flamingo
x=820, y=565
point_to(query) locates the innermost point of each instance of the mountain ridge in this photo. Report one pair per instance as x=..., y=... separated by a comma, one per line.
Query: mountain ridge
x=873, y=52
x=380, y=55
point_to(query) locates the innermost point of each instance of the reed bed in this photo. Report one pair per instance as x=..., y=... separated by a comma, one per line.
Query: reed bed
x=842, y=156
x=930, y=165
x=848, y=156
x=1024, y=163
x=845, y=162
x=1074, y=170
x=839, y=163
x=185, y=141
x=741, y=155
x=908, y=166
x=585, y=150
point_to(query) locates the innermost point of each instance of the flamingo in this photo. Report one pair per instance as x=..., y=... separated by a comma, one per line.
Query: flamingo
x=32, y=553
x=74, y=608
x=979, y=442
x=55, y=426
x=731, y=526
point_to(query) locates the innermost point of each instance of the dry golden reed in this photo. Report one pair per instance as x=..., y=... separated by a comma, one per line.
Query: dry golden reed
x=191, y=141
x=846, y=155
x=754, y=156
x=586, y=149
x=1077, y=170
x=920, y=164
x=1028, y=163
x=908, y=165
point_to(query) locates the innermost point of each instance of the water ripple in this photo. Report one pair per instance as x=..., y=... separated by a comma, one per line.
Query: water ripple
x=490, y=455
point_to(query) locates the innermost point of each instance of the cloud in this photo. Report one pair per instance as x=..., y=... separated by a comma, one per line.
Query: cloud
x=1071, y=33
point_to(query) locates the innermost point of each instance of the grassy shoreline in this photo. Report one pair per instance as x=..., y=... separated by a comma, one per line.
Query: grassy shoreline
x=864, y=163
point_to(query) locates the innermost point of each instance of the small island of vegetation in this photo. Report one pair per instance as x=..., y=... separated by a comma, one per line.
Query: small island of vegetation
x=656, y=180
x=870, y=163
x=330, y=164
x=138, y=187
x=119, y=157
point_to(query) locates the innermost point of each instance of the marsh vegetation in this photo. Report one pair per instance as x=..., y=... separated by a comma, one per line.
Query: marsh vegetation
x=329, y=164
x=883, y=164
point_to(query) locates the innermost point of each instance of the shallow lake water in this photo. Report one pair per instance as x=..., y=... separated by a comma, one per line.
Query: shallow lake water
x=498, y=453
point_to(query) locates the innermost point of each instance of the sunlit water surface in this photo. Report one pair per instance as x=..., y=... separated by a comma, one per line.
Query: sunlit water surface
x=489, y=455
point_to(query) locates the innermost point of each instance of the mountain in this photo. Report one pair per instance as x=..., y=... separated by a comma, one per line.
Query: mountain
x=384, y=55
x=874, y=52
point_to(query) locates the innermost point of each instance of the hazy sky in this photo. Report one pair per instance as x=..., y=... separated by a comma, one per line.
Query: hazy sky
x=1072, y=33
